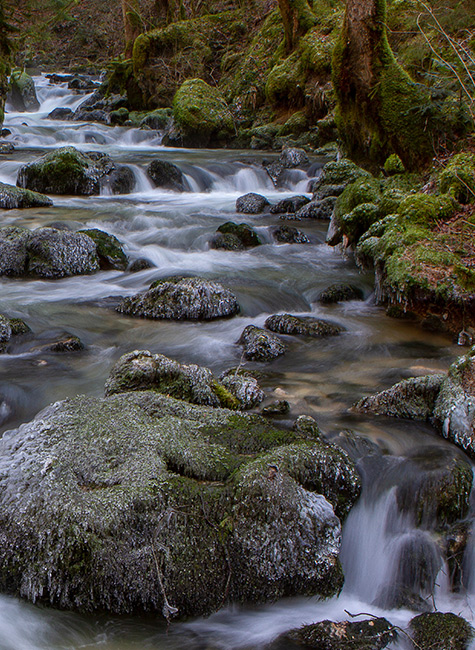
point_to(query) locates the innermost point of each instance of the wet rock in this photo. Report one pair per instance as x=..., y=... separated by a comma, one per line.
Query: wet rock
x=46, y=252
x=413, y=398
x=66, y=171
x=340, y=292
x=13, y=197
x=244, y=386
x=338, y=173
x=288, y=159
x=181, y=298
x=456, y=541
x=323, y=191
x=140, y=264
x=397, y=596
x=438, y=631
x=120, y=180
x=251, y=203
x=5, y=332
x=133, y=503
x=6, y=148
x=370, y=634
x=141, y=370
x=290, y=235
x=65, y=343
x=22, y=94
x=292, y=204
x=276, y=409
x=18, y=326
x=233, y=236
x=260, y=345
x=60, y=113
x=109, y=249
x=317, y=209
x=167, y=175
x=302, y=325
x=158, y=119
x=454, y=412
x=119, y=116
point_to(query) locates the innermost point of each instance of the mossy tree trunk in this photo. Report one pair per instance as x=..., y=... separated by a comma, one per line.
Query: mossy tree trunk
x=380, y=108
x=132, y=24
x=297, y=18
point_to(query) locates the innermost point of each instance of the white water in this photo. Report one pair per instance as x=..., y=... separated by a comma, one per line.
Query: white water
x=172, y=230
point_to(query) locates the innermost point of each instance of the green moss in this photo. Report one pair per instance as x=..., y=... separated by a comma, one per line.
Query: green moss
x=296, y=124
x=226, y=399
x=364, y=190
x=426, y=209
x=355, y=223
x=286, y=82
x=109, y=249
x=438, y=631
x=393, y=165
x=458, y=177
x=315, y=51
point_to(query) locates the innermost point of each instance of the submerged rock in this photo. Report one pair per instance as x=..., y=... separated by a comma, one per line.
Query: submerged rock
x=251, y=203
x=438, y=631
x=180, y=298
x=369, y=634
x=302, y=325
x=412, y=398
x=46, y=252
x=260, y=345
x=142, y=370
x=133, y=503
x=167, y=175
x=13, y=197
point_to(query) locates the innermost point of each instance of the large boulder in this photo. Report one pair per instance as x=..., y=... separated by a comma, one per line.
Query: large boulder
x=202, y=117
x=69, y=171
x=167, y=175
x=260, y=345
x=251, y=203
x=46, y=253
x=13, y=197
x=140, y=502
x=235, y=236
x=109, y=249
x=22, y=94
x=302, y=326
x=180, y=298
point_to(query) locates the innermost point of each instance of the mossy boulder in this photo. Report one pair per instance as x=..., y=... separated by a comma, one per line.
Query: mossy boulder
x=234, y=236
x=244, y=386
x=317, y=209
x=340, y=172
x=260, y=345
x=290, y=235
x=46, y=252
x=141, y=370
x=148, y=503
x=458, y=178
x=439, y=631
x=302, y=326
x=12, y=197
x=109, y=249
x=158, y=119
x=369, y=634
x=339, y=292
x=22, y=94
x=182, y=298
x=167, y=175
x=201, y=115
x=66, y=171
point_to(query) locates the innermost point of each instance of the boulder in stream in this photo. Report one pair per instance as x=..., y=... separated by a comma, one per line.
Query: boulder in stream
x=22, y=94
x=182, y=298
x=302, y=326
x=12, y=197
x=317, y=209
x=340, y=292
x=251, y=203
x=439, y=631
x=235, y=236
x=260, y=345
x=109, y=249
x=289, y=235
x=139, y=502
x=291, y=204
x=167, y=175
x=244, y=386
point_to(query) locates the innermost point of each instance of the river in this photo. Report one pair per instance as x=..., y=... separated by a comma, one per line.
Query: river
x=321, y=378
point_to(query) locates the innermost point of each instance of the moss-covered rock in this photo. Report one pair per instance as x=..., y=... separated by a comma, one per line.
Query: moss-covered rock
x=167, y=175
x=260, y=345
x=201, y=115
x=439, y=631
x=234, y=236
x=244, y=386
x=22, y=94
x=339, y=292
x=142, y=509
x=66, y=171
x=290, y=204
x=181, y=298
x=290, y=235
x=458, y=178
x=109, y=249
x=302, y=325
x=13, y=197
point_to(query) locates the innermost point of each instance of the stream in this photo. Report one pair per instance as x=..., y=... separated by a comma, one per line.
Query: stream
x=318, y=377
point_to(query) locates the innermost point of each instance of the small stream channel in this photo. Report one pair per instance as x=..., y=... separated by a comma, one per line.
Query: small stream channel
x=321, y=378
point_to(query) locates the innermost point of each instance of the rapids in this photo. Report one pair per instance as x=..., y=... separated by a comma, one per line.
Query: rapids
x=321, y=378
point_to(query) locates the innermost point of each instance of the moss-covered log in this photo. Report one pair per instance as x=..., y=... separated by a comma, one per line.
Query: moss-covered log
x=380, y=108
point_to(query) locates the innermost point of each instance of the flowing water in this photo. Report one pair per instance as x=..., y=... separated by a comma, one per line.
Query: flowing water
x=321, y=378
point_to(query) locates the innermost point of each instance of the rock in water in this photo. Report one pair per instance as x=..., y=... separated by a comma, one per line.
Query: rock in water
x=302, y=325
x=439, y=631
x=13, y=197
x=22, y=92
x=167, y=175
x=133, y=502
x=251, y=203
x=180, y=298
x=260, y=345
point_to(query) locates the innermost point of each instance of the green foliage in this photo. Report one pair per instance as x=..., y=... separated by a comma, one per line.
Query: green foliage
x=458, y=177
x=426, y=209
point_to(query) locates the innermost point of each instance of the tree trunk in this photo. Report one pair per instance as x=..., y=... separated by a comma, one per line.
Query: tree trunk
x=132, y=24
x=297, y=18
x=380, y=109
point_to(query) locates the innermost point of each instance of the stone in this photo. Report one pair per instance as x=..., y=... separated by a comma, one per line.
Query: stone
x=22, y=94
x=302, y=325
x=340, y=292
x=244, y=386
x=139, y=502
x=120, y=180
x=291, y=204
x=182, y=298
x=140, y=264
x=439, y=631
x=234, y=236
x=317, y=209
x=12, y=197
x=260, y=345
x=60, y=113
x=109, y=249
x=290, y=235
x=251, y=203
x=166, y=175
